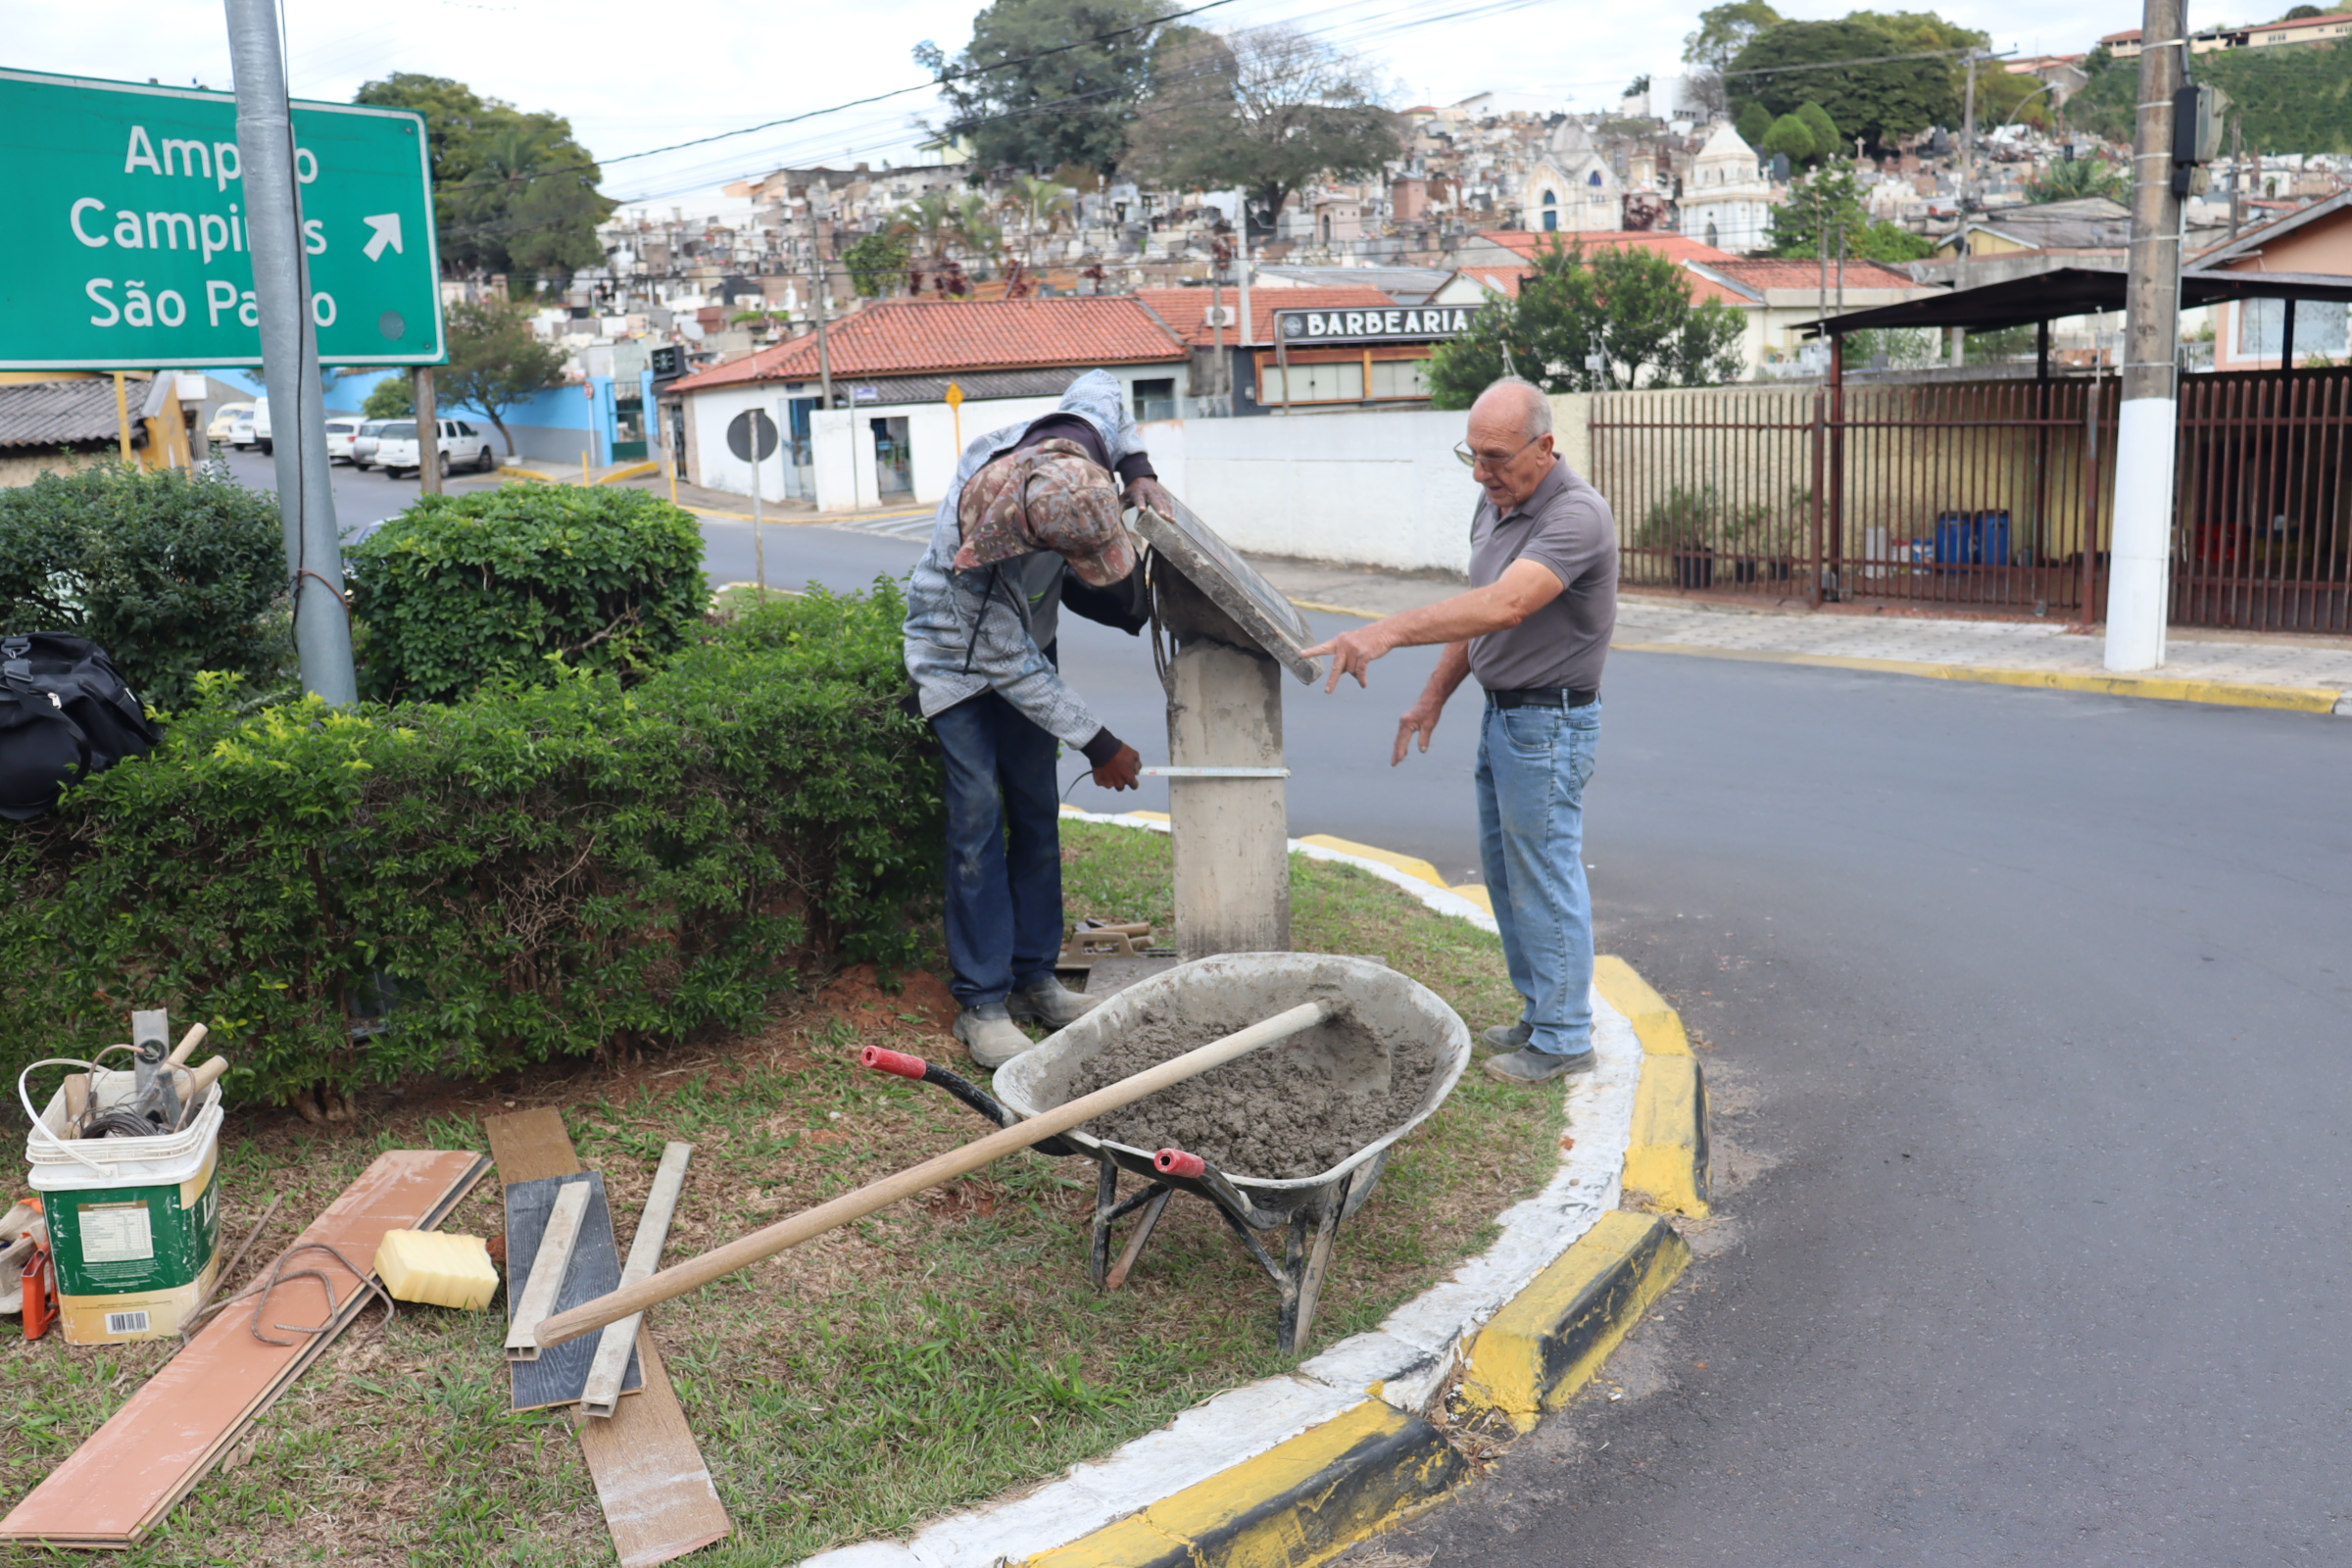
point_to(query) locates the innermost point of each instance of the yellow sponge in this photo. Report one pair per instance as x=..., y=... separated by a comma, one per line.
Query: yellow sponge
x=436, y=1269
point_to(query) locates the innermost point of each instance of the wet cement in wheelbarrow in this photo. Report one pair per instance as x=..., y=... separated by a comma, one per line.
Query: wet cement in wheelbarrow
x=1279, y=1112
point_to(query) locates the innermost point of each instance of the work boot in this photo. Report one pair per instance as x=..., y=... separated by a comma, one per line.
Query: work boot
x=1050, y=1002
x=1510, y=1036
x=988, y=1033
x=1533, y=1067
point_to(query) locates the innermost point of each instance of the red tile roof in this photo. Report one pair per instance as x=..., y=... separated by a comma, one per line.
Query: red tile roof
x=1674, y=247
x=1776, y=272
x=1508, y=280
x=1186, y=310
x=915, y=337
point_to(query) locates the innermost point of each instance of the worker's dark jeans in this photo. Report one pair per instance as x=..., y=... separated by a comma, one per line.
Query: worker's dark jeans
x=1003, y=848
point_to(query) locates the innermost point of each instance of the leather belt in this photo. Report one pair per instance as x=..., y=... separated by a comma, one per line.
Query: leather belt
x=1544, y=696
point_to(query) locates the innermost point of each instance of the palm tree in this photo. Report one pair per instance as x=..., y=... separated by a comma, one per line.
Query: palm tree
x=1045, y=207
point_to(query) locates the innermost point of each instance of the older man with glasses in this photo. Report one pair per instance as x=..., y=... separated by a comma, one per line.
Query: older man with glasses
x=1533, y=629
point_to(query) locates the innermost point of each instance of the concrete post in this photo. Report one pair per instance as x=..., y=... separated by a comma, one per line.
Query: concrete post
x=2140, y=573
x=1232, y=835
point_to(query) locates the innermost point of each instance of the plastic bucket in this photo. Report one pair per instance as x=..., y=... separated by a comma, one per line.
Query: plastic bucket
x=133, y=1222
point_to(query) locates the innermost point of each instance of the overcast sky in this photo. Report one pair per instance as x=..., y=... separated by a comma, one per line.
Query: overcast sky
x=637, y=77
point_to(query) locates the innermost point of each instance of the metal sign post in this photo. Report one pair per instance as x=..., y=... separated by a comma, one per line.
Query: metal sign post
x=752, y=436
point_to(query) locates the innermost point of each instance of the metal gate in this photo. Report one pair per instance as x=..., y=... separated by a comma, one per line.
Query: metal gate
x=1988, y=494
x=2264, y=503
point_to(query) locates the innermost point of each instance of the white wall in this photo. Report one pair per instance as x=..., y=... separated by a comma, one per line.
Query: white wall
x=1362, y=488
x=719, y=468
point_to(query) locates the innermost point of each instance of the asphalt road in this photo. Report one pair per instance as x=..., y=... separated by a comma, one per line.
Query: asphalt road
x=2029, y=1018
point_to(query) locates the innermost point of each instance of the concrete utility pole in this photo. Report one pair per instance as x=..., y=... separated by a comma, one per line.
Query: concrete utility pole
x=306, y=500
x=1968, y=138
x=428, y=418
x=2139, y=570
x=819, y=290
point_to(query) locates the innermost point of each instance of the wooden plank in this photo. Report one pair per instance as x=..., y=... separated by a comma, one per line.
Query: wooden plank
x=531, y=1145
x=651, y=1480
x=551, y=1260
x=650, y=1477
x=556, y=1377
x=601, y=1395
x=115, y=1488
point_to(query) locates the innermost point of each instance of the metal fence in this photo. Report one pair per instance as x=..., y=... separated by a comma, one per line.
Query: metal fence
x=2265, y=506
x=1992, y=495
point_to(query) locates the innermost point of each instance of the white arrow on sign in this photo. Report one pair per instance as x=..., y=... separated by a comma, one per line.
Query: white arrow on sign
x=387, y=232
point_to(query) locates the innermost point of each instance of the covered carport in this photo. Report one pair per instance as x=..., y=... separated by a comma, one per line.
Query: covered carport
x=1999, y=491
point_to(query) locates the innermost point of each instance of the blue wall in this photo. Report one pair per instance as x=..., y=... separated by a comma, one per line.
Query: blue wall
x=554, y=427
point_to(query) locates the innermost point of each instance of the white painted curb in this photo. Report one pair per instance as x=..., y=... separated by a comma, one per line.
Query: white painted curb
x=1405, y=1362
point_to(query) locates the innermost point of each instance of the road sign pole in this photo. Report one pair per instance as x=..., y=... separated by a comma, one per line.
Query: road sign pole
x=759, y=548
x=429, y=417
x=306, y=500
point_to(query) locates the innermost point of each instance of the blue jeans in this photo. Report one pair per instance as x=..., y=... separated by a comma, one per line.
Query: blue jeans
x=1003, y=848
x=1532, y=763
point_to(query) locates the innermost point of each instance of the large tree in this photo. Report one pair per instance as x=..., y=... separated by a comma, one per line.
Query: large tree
x=1840, y=65
x=1629, y=306
x=1047, y=83
x=495, y=363
x=513, y=193
x=2289, y=100
x=1266, y=110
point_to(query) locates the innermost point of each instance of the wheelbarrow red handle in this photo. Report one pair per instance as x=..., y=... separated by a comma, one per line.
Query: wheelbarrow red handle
x=1176, y=1162
x=896, y=1061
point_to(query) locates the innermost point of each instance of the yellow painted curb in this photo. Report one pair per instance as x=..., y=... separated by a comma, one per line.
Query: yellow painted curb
x=635, y=470
x=1660, y=1025
x=524, y=473
x=1410, y=866
x=1555, y=1335
x=1476, y=893
x=1666, y=1156
x=1301, y=1502
x=2231, y=694
x=1337, y=610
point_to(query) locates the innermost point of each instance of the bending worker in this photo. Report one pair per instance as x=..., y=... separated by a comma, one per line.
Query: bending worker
x=1533, y=629
x=1034, y=516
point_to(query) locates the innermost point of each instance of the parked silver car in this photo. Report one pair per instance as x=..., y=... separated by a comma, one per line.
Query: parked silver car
x=363, y=443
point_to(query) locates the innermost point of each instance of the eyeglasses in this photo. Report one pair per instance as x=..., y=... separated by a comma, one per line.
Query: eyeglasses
x=1478, y=460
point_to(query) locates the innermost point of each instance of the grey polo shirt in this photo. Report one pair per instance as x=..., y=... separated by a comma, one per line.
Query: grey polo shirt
x=1567, y=526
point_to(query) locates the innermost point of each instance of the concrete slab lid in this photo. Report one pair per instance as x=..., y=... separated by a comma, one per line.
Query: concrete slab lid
x=1231, y=584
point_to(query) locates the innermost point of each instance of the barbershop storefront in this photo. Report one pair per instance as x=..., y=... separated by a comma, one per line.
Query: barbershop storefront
x=1328, y=358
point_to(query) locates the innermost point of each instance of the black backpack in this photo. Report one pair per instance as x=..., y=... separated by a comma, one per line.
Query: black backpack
x=64, y=715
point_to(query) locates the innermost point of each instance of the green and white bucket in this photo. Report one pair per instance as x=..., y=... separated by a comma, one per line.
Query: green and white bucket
x=133, y=1222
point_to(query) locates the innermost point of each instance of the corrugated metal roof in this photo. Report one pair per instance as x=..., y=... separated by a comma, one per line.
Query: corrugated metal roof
x=58, y=413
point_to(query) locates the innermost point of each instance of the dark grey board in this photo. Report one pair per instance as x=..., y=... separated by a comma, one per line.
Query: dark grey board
x=561, y=1373
x=1231, y=584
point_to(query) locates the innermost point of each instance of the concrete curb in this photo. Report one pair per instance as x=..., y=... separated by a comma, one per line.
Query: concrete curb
x=1293, y=1471
x=2156, y=688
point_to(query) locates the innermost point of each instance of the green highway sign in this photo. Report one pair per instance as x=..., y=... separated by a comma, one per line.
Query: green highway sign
x=126, y=230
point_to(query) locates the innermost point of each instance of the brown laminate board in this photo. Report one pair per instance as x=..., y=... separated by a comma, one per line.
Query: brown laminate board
x=123, y=1480
x=650, y=1477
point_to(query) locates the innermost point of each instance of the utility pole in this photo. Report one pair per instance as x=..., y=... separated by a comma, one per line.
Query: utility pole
x=819, y=289
x=428, y=419
x=306, y=500
x=2238, y=173
x=1968, y=138
x=2138, y=581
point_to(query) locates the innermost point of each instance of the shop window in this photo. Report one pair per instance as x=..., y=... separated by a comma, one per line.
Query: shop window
x=1399, y=378
x=1318, y=383
x=1155, y=399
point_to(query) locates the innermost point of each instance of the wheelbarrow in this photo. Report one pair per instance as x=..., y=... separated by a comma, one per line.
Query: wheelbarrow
x=1387, y=1006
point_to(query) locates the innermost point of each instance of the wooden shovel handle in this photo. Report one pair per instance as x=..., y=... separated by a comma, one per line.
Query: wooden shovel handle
x=695, y=1272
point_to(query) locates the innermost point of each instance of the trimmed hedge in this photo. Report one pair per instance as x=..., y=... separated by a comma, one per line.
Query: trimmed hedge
x=515, y=583
x=170, y=573
x=535, y=872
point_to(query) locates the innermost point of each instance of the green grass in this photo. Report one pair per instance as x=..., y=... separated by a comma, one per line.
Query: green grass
x=921, y=1360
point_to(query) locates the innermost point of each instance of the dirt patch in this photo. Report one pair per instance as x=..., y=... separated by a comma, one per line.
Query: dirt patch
x=857, y=996
x=1285, y=1111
